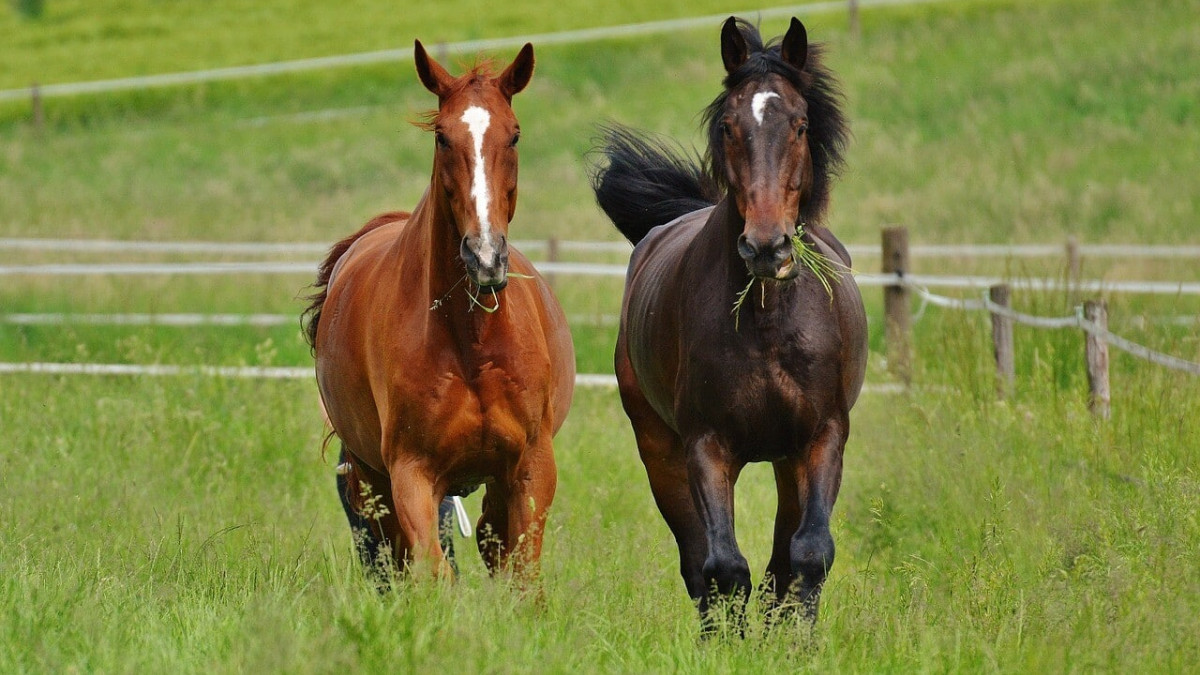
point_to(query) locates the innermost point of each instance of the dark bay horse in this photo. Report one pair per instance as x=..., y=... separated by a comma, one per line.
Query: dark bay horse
x=705, y=394
x=443, y=359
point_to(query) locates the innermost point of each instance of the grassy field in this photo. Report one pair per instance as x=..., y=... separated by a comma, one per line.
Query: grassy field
x=189, y=524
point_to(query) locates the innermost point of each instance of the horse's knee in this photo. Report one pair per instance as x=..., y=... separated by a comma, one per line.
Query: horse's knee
x=728, y=572
x=812, y=554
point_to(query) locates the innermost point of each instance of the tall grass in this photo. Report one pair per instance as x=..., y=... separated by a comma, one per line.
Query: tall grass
x=190, y=524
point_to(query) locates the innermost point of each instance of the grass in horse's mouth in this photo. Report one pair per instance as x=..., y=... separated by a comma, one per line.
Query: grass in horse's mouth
x=474, y=297
x=816, y=262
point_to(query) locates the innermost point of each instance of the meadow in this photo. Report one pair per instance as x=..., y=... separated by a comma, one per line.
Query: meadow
x=190, y=524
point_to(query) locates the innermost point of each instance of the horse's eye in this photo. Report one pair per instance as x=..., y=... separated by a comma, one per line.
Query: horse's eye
x=516, y=138
x=442, y=141
x=726, y=130
x=802, y=129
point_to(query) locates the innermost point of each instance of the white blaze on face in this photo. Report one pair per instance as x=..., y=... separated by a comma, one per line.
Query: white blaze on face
x=759, y=102
x=477, y=120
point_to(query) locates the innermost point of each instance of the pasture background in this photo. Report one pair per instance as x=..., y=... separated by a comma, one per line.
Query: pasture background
x=190, y=524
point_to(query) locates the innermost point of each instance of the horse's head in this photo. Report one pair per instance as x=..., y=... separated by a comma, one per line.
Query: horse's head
x=759, y=143
x=475, y=161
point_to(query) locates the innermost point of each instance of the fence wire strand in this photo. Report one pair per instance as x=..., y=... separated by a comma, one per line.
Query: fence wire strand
x=1075, y=321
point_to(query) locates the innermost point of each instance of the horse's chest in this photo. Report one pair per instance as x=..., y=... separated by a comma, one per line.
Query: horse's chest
x=484, y=411
x=768, y=397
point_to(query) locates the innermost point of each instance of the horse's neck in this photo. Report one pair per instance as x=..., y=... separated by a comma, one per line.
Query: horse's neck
x=716, y=243
x=431, y=238
x=715, y=251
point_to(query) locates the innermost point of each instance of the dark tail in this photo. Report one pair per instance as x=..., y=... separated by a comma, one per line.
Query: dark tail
x=312, y=314
x=647, y=181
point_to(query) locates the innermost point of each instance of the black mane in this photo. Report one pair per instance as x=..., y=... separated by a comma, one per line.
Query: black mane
x=649, y=181
x=828, y=132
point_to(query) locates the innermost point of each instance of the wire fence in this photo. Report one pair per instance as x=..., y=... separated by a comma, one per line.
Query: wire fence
x=1122, y=251
x=920, y=284
x=404, y=54
x=261, y=248
x=192, y=319
x=1076, y=321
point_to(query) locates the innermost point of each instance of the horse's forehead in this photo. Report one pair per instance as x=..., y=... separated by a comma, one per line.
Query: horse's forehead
x=476, y=108
x=756, y=100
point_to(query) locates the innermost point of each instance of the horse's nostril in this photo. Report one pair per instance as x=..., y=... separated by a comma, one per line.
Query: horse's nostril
x=468, y=254
x=746, y=249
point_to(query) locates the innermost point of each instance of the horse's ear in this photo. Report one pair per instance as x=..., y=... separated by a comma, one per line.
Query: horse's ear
x=733, y=45
x=518, y=73
x=432, y=74
x=795, y=45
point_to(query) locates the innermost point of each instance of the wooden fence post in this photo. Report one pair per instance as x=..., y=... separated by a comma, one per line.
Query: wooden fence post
x=552, y=255
x=855, y=30
x=896, y=306
x=35, y=99
x=1074, y=265
x=1096, y=351
x=1074, y=269
x=1002, y=341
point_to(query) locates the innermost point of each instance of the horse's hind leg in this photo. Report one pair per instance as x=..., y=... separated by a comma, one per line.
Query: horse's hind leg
x=446, y=531
x=368, y=538
x=360, y=491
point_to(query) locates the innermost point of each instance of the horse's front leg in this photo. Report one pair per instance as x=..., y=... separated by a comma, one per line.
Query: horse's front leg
x=514, y=514
x=817, y=477
x=712, y=472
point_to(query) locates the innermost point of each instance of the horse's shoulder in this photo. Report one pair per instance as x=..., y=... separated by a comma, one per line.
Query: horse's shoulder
x=822, y=235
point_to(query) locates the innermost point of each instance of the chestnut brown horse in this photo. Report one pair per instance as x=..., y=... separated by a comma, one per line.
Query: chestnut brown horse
x=707, y=394
x=442, y=357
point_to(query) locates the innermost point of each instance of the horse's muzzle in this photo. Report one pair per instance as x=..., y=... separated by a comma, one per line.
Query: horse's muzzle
x=774, y=259
x=486, y=260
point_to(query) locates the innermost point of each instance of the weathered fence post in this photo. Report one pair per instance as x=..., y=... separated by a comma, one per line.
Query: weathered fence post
x=1074, y=265
x=855, y=30
x=552, y=255
x=1074, y=269
x=35, y=99
x=896, y=306
x=1096, y=351
x=1002, y=341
